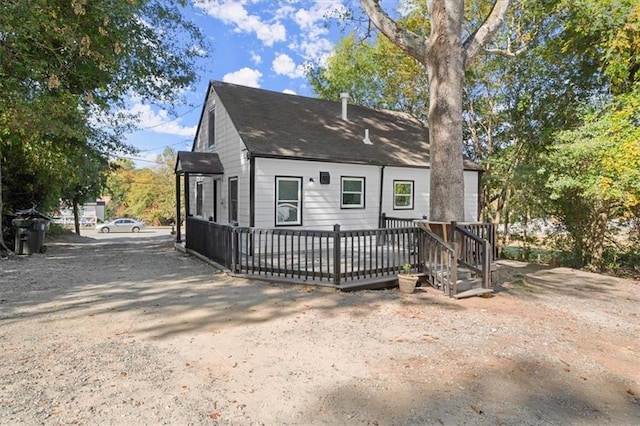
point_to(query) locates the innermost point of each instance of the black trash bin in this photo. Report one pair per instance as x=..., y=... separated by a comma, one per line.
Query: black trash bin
x=31, y=227
x=35, y=239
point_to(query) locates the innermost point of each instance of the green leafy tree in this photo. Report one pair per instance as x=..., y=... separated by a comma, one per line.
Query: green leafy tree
x=147, y=193
x=67, y=66
x=593, y=176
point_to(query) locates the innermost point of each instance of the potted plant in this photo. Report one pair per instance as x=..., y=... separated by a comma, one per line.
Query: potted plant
x=406, y=280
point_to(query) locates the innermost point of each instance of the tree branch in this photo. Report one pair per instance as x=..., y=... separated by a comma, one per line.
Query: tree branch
x=410, y=42
x=474, y=44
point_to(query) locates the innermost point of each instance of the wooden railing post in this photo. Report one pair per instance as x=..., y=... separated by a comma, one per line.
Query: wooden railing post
x=453, y=274
x=452, y=231
x=336, y=254
x=486, y=265
x=235, y=249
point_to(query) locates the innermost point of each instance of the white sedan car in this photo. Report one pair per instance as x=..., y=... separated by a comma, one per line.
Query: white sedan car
x=121, y=225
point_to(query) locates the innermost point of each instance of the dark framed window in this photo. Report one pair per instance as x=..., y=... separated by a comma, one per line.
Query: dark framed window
x=233, y=200
x=352, y=192
x=403, y=195
x=288, y=201
x=199, y=195
x=212, y=127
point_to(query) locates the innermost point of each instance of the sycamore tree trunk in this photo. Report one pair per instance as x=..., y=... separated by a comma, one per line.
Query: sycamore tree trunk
x=446, y=57
x=445, y=67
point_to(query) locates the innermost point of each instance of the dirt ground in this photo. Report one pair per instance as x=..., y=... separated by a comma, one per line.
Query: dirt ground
x=130, y=331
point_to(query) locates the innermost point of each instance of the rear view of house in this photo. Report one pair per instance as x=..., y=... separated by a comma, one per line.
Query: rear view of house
x=270, y=166
x=278, y=160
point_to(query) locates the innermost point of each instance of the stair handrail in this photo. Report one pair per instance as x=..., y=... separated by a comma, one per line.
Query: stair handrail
x=484, y=268
x=446, y=250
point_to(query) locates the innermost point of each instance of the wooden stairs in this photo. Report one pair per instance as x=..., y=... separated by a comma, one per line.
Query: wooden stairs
x=467, y=283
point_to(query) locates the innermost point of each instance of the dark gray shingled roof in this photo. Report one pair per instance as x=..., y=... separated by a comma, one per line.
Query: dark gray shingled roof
x=273, y=124
x=205, y=163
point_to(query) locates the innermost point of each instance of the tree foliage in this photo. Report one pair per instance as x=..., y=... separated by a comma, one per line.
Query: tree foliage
x=66, y=68
x=559, y=71
x=147, y=194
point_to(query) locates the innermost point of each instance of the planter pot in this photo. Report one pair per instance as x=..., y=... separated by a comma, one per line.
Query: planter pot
x=407, y=283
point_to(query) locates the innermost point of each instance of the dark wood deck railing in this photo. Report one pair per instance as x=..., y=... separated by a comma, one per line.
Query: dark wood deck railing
x=324, y=257
x=398, y=222
x=211, y=240
x=340, y=258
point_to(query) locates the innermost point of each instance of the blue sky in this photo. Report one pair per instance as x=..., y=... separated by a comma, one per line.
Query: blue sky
x=255, y=43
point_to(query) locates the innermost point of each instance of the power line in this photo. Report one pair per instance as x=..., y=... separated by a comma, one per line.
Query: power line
x=169, y=121
x=166, y=146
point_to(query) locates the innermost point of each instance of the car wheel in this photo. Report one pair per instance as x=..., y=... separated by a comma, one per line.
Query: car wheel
x=105, y=230
x=135, y=229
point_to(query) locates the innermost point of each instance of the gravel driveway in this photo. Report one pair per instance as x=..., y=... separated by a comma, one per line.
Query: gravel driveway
x=124, y=330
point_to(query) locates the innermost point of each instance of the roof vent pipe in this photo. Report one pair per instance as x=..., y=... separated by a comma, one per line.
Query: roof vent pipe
x=366, y=139
x=345, y=97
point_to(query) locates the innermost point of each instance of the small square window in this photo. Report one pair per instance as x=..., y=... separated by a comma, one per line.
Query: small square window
x=352, y=193
x=403, y=195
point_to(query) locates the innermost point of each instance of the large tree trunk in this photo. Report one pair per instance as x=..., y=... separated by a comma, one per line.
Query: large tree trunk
x=445, y=66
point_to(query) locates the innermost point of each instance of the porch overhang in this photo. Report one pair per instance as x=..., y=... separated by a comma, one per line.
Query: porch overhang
x=201, y=163
x=192, y=163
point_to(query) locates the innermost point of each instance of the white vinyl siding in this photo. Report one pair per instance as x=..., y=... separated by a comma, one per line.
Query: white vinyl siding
x=421, y=178
x=471, y=199
x=320, y=202
x=231, y=150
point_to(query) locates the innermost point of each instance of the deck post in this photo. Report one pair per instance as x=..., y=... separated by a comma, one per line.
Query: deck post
x=453, y=274
x=336, y=254
x=486, y=265
x=235, y=249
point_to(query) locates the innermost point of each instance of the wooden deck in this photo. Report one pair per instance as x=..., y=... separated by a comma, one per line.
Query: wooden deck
x=345, y=260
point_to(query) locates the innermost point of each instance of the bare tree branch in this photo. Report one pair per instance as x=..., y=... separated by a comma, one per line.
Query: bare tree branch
x=410, y=42
x=474, y=44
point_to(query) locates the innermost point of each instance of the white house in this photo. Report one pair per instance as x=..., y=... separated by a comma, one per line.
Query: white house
x=265, y=159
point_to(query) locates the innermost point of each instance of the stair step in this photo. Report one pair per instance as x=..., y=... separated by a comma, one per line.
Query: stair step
x=474, y=292
x=468, y=284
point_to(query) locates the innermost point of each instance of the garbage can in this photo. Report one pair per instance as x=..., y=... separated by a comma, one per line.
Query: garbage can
x=22, y=235
x=31, y=227
x=35, y=237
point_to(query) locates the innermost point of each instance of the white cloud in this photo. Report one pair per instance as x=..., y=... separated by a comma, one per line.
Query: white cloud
x=244, y=76
x=289, y=92
x=284, y=65
x=159, y=122
x=256, y=58
x=234, y=12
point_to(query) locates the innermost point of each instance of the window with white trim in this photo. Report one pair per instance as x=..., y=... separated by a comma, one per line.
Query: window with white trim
x=403, y=195
x=351, y=192
x=233, y=200
x=288, y=201
x=211, y=136
x=199, y=200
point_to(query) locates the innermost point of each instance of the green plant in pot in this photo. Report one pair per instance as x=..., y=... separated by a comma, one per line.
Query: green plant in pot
x=406, y=280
